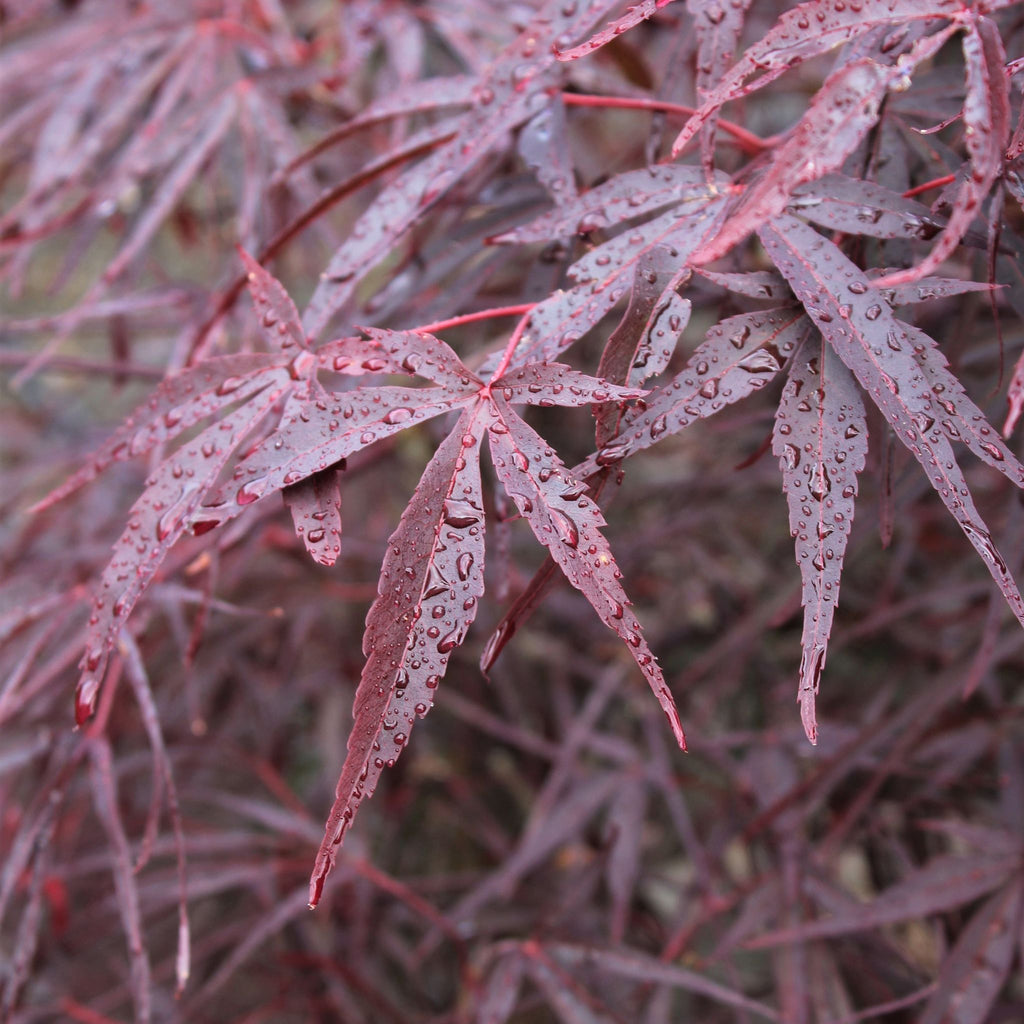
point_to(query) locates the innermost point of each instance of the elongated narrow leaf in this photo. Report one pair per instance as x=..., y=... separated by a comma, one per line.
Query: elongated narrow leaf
x=930, y=288
x=634, y=14
x=942, y=884
x=544, y=147
x=986, y=118
x=430, y=583
x=858, y=207
x=617, y=201
x=278, y=317
x=174, y=185
x=718, y=27
x=973, y=974
x=453, y=91
x=500, y=991
x=737, y=357
x=568, y=524
x=820, y=440
x=558, y=384
x=559, y=322
x=682, y=229
x=505, y=98
x=805, y=31
x=321, y=434
x=756, y=284
x=425, y=356
x=644, y=968
x=840, y=115
x=180, y=402
x=961, y=419
x=839, y=299
x=172, y=496
x=315, y=505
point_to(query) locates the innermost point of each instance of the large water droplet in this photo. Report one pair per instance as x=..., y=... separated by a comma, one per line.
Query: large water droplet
x=568, y=531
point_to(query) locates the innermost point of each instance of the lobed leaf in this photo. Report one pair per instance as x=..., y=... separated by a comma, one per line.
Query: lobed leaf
x=558, y=322
x=430, y=583
x=961, y=419
x=755, y=284
x=568, y=524
x=858, y=207
x=871, y=342
x=419, y=353
x=820, y=440
x=680, y=230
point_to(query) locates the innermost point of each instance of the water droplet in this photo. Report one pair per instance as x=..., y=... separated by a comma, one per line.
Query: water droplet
x=710, y=388
x=227, y=386
x=435, y=583
x=301, y=365
x=399, y=415
x=463, y=565
x=449, y=642
x=873, y=312
x=568, y=531
x=250, y=491
x=461, y=514
x=821, y=483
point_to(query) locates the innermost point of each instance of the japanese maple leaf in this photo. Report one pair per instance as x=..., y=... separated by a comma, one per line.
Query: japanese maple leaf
x=432, y=576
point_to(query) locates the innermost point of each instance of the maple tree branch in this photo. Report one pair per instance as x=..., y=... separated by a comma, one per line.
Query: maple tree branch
x=510, y=348
x=470, y=318
x=750, y=143
x=928, y=185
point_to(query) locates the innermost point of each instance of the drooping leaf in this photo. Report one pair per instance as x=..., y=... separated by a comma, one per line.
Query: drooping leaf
x=568, y=524
x=431, y=581
x=321, y=433
x=820, y=440
x=315, y=505
x=870, y=341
